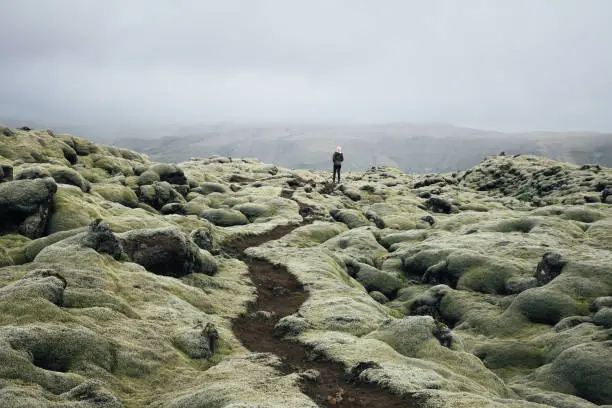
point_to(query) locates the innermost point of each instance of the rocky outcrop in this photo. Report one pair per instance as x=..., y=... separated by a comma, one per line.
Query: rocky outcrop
x=170, y=173
x=6, y=172
x=549, y=267
x=25, y=206
x=159, y=194
x=166, y=251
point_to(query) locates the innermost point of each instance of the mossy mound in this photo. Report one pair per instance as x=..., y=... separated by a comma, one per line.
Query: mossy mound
x=533, y=179
x=35, y=147
x=224, y=217
x=170, y=173
x=358, y=244
x=352, y=218
x=166, y=251
x=5, y=258
x=603, y=317
x=314, y=234
x=374, y=279
x=116, y=193
x=73, y=209
x=254, y=210
x=31, y=172
x=209, y=187
x=542, y=305
x=409, y=335
x=159, y=194
x=25, y=206
x=582, y=370
x=147, y=177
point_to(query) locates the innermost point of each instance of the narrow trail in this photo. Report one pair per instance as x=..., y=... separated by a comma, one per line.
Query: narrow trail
x=280, y=294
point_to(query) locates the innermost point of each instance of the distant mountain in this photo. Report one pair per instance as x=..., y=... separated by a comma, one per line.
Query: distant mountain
x=410, y=147
x=417, y=148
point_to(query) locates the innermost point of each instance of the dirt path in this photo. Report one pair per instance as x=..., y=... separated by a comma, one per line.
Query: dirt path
x=280, y=294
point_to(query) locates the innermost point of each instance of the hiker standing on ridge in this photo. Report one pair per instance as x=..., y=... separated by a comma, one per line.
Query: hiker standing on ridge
x=337, y=158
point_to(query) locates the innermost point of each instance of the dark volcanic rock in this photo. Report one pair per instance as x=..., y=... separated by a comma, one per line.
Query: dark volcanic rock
x=429, y=182
x=606, y=193
x=203, y=238
x=25, y=206
x=428, y=219
x=174, y=208
x=358, y=368
x=6, y=172
x=182, y=189
x=6, y=131
x=549, y=267
x=69, y=153
x=164, y=251
x=170, y=173
x=159, y=194
x=443, y=334
x=100, y=238
x=439, y=205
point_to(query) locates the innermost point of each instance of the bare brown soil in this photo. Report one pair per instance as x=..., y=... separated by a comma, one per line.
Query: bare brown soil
x=280, y=294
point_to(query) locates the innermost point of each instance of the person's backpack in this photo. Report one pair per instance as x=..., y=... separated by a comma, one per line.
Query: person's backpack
x=338, y=159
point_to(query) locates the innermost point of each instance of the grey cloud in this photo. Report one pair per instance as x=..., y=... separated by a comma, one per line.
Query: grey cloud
x=511, y=65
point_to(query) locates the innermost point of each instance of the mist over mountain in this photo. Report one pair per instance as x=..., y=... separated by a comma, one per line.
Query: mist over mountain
x=412, y=147
x=417, y=148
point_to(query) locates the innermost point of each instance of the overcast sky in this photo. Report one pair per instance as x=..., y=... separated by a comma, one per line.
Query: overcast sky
x=504, y=64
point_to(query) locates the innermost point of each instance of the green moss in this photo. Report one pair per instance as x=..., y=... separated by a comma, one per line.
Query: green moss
x=510, y=354
x=314, y=234
x=63, y=175
x=22, y=144
x=373, y=279
x=587, y=368
x=5, y=258
x=93, y=175
x=72, y=209
x=113, y=165
x=254, y=210
x=603, y=317
x=488, y=278
x=116, y=193
x=147, y=177
x=35, y=246
x=224, y=217
x=352, y=218
x=542, y=305
x=582, y=214
x=524, y=225
x=405, y=236
x=358, y=244
x=408, y=336
x=209, y=187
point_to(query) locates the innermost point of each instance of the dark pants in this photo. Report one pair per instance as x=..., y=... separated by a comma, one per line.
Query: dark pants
x=336, y=170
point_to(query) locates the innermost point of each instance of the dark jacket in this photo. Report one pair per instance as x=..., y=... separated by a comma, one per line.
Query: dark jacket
x=337, y=158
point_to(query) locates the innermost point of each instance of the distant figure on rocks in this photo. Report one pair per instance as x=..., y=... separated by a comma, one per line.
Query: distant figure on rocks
x=337, y=158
